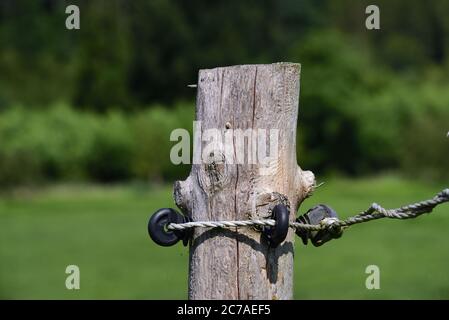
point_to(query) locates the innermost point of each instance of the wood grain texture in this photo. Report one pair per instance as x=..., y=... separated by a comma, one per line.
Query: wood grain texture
x=238, y=264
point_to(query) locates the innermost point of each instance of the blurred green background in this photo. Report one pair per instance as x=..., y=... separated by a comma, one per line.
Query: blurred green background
x=85, y=118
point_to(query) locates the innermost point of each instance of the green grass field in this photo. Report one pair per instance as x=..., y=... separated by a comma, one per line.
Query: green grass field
x=103, y=231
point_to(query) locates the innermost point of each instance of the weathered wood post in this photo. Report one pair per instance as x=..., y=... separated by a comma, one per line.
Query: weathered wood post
x=231, y=264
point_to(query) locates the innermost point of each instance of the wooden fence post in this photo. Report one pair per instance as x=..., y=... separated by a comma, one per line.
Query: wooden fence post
x=231, y=264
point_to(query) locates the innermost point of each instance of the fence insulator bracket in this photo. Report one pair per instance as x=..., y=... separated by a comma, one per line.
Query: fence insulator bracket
x=277, y=234
x=318, y=215
x=158, y=227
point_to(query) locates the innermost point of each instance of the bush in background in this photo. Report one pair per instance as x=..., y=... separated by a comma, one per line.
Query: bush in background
x=110, y=156
x=60, y=143
x=357, y=118
x=425, y=148
x=152, y=128
x=335, y=77
x=44, y=145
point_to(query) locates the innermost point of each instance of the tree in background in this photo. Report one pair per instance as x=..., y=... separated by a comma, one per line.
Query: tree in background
x=132, y=53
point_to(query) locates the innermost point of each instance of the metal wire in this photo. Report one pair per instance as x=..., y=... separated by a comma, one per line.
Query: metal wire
x=374, y=212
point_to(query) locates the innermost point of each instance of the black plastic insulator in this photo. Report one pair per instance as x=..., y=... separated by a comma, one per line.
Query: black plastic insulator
x=314, y=216
x=277, y=234
x=158, y=227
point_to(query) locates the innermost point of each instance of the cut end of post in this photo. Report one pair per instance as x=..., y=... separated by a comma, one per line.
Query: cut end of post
x=296, y=65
